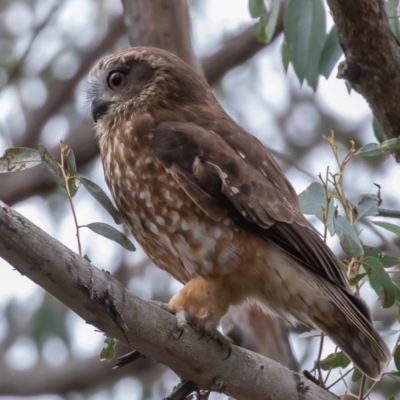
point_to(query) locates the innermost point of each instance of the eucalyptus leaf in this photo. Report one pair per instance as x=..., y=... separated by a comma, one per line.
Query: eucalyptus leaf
x=18, y=159
x=335, y=360
x=305, y=34
x=330, y=217
x=357, y=278
x=386, y=260
x=384, y=330
x=349, y=240
x=378, y=130
x=272, y=19
x=391, y=10
x=379, y=149
x=394, y=375
x=388, y=226
x=312, y=200
x=331, y=53
x=71, y=164
x=396, y=357
x=52, y=166
x=356, y=375
x=285, y=56
x=108, y=351
x=111, y=233
x=98, y=193
x=367, y=206
x=380, y=281
x=256, y=8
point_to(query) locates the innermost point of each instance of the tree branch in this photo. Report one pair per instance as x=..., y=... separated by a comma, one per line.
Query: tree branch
x=238, y=49
x=101, y=300
x=372, y=58
x=384, y=212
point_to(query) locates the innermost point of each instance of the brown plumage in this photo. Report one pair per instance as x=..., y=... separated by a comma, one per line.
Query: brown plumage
x=209, y=204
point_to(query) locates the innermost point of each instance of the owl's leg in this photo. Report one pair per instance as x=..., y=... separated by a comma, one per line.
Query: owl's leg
x=201, y=304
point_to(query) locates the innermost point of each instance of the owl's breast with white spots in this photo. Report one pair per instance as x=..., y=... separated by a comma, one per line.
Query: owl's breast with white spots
x=171, y=228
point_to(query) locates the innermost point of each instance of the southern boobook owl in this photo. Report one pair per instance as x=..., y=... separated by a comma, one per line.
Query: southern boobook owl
x=208, y=204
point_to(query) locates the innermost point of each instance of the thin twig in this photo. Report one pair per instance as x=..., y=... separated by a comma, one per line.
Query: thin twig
x=384, y=212
x=66, y=179
x=318, y=362
x=341, y=377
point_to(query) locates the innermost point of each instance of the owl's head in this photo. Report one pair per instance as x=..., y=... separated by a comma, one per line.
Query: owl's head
x=141, y=79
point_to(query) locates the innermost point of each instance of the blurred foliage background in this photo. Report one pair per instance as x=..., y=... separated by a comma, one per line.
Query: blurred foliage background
x=46, y=50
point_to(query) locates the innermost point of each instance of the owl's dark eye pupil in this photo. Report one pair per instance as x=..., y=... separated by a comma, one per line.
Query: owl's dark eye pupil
x=115, y=79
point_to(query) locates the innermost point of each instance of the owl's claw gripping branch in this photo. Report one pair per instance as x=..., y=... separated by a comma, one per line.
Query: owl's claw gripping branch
x=185, y=319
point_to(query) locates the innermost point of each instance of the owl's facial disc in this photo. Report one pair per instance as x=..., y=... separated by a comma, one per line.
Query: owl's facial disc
x=114, y=82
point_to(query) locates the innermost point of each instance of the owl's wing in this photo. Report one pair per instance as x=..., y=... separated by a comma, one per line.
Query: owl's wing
x=219, y=180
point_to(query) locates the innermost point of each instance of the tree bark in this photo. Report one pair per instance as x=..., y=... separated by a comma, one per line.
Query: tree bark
x=103, y=302
x=161, y=23
x=372, y=54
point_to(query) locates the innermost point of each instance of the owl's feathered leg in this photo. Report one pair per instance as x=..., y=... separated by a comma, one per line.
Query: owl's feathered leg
x=201, y=304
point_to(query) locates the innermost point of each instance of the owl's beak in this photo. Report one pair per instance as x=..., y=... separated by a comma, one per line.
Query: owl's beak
x=99, y=108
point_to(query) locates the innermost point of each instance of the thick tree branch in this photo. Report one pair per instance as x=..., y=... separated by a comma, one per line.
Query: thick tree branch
x=161, y=23
x=238, y=49
x=101, y=300
x=372, y=58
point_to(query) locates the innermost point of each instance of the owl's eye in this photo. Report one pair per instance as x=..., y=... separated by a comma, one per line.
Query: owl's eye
x=115, y=79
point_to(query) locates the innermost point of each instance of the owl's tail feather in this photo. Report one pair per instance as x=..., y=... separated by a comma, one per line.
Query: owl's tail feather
x=350, y=327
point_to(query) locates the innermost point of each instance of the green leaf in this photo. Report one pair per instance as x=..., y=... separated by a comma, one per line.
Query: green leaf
x=305, y=33
x=331, y=53
x=391, y=398
x=71, y=164
x=367, y=206
x=396, y=357
x=380, y=281
x=391, y=10
x=312, y=200
x=378, y=130
x=394, y=375
x=384, y=330
x=330, y=217
x=18, y=159
x=285, y=56
x=335, y=361
x=111, y=233
x=376, y=149
x=98, y=193
x=357, y=375
x=312, y=333
x=357, y=278
x=52, y=166
x=259, y=29
x=370, y=150
x=349, y=240
x=108, y=351
x=388, y=226
x=397, y=290
x=256, y=8
x=272, y=19
x=386, y=260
